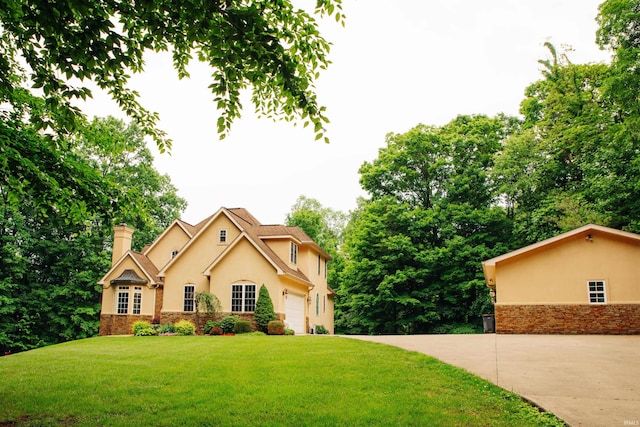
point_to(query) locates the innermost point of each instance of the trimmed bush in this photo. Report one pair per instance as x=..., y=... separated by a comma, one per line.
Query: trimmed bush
x=185, y=327
x=142, y=328
x=146, y=332
x=288, y=331
x=264, y=312
x=321, y=330
x=228, y=323
x=167, y=329
x=275, y=327
x=242, y=327
x=209, y=325
x=216, y=330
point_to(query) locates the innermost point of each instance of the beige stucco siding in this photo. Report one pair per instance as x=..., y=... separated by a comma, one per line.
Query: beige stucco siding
x=558, y=273
x=282, y=248
x=244, y=264
x=190, y=264
x=109, y=294
x=173, y=240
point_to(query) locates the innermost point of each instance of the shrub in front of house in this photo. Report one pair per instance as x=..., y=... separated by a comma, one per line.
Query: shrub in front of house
x=208, y=326
x=166, y=329
x=321, y=330
x=264, y=312
x=228, y=323
x=288, y=331
x=185, y=327
x=275, y=327
x=216, y=330
x=142, y=328
x=242, y=327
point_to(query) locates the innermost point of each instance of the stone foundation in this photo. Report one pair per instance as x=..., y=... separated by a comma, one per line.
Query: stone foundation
x=616, y=319
x=121, y=324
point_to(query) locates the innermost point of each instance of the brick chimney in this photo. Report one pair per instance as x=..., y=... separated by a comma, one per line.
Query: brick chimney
x=121, y=241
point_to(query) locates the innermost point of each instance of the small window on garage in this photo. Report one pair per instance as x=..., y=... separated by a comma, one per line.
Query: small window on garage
x=596, y=292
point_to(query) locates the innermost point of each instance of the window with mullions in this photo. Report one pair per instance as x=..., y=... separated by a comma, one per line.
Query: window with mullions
x=123, y=300
x=222, y=236
x=596, y=292
x=294, y=253
x=243, y=297
x=189, y=293
x=137, y=300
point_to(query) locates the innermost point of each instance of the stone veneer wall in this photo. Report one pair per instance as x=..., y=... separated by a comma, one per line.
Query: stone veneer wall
x=121, y=324
x=618, y=319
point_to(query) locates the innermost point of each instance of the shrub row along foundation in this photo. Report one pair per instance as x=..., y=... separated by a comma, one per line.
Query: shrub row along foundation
x=121, y=324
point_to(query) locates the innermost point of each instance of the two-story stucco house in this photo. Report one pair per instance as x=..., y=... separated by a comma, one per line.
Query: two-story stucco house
x=585, y=281
x=229, y=254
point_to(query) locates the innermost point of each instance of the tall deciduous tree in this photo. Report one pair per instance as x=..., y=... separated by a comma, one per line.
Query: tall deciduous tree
x=56, y=227
x=271, y=46
x=412, y=250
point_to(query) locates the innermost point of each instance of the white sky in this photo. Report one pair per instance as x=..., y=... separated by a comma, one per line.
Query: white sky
x=395, y=65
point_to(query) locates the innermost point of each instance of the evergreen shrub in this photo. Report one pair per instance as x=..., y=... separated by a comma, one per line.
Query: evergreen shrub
x=321, y=330
x=242, y=327
x=227, y=324
x=264, y=312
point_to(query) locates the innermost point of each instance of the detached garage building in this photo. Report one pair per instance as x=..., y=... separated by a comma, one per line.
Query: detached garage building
x=586, y=281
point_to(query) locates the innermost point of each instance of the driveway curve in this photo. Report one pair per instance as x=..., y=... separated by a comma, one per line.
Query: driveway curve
x=586, y=380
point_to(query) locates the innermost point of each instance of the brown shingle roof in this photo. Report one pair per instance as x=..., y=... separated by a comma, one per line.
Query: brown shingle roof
x=255, y=237
x=147, y=266
x=246, y=217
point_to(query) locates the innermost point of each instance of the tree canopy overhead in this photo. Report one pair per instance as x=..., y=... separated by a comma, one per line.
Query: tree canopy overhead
x=268, y=45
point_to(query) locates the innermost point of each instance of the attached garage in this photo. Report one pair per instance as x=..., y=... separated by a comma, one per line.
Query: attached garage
x=294, y=311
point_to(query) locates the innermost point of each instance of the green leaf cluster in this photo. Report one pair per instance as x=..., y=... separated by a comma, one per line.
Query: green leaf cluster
x=443, y=199
x=58, y=203
x=269, y=46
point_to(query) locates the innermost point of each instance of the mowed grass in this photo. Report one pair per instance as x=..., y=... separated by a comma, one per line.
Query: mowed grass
x=247, y=381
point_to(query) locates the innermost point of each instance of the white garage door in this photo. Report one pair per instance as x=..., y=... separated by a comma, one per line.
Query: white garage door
x=294, y=309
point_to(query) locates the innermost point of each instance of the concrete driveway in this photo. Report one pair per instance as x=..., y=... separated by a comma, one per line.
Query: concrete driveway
x=587, y=380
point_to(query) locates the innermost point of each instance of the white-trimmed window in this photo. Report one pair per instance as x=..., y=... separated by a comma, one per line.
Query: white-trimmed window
x=137, y=300
x=122, y=300
x=325, y=268
x=189, y=298
x=294, y=253
x=319, y=263
x=222, y=236
x=243, y=297
x=317, y=304
x=324, y=303
x=596, y=292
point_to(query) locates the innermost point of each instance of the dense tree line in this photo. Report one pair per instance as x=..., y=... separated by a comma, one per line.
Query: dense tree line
x=57, y=210
x=64, y=182
x=444, y=198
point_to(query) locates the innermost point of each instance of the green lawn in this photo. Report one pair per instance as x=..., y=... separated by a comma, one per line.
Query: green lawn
x=247, y=380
